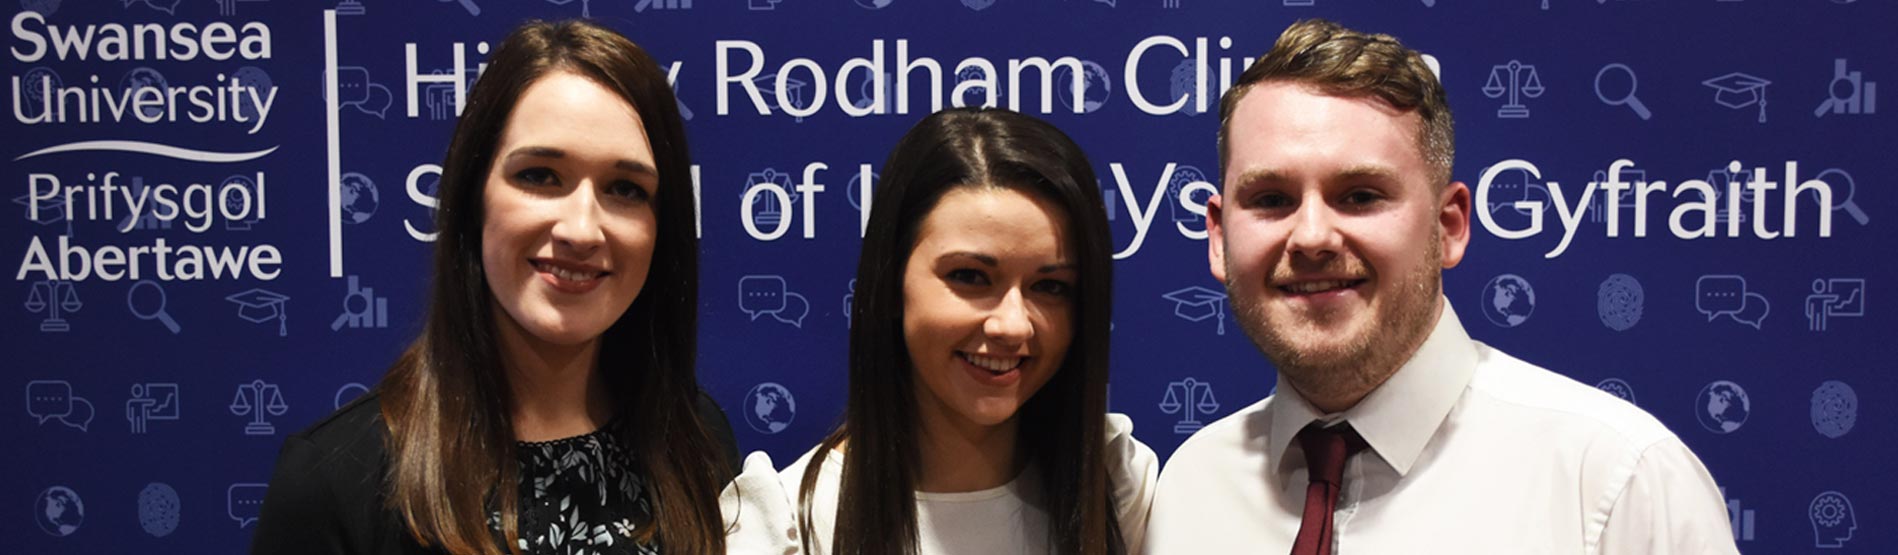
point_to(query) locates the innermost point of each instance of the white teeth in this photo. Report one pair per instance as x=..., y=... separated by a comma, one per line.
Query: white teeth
x=993, y=364
x=568, y=275
x=1316, y=286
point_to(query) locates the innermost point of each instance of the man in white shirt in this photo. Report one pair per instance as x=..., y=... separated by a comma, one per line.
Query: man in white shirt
x=1391, y=430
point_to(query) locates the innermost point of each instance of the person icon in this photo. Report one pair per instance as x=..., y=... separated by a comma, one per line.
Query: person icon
x=138, y=409
x=1819, y=305
x=1827, y=300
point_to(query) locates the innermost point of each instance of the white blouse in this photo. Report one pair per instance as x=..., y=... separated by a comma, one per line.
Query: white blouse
x=761, y=505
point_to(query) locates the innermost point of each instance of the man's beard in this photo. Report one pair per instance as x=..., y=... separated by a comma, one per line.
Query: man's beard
x=1397, y=330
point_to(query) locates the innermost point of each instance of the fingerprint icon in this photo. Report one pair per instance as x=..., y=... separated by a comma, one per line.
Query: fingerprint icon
x=1619, y=301
x=1834, y=409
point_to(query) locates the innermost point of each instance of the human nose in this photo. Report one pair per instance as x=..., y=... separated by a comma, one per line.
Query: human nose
x=1315, y=231
x=1008, y=322
x=578, y=224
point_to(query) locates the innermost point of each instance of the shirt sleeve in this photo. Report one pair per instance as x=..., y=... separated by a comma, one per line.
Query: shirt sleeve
x=1669, y=504
x=299, y=515
x=1134, y=469
x=758, y=515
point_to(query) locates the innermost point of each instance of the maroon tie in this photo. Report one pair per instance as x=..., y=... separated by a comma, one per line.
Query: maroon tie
x=1325, y=452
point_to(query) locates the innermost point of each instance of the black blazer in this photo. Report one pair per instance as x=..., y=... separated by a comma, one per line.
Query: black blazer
x=326, y=494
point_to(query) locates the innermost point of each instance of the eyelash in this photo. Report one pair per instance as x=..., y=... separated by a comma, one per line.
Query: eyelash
x=970, y=276
x=541, y=177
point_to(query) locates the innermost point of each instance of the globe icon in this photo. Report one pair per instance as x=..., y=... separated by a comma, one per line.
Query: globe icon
x=874, y=4
x=1508, y=300
x=59, y=511
x=359, y=198
x=769, y=408
x=158, y=509
x=1723, y=407
x=1095, y=86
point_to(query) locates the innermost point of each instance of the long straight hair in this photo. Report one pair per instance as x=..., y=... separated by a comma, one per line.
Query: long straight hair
x=446, y=401
x=1062, y=427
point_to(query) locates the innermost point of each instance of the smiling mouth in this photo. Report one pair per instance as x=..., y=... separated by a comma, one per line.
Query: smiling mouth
x=994, y=365
x=1319, y=287
x=567, y=274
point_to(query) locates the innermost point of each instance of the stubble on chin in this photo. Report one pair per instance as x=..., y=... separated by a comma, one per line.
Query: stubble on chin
x=1355, y=366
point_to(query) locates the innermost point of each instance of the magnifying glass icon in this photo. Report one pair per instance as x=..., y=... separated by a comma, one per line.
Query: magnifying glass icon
x=1614, y=73
x=157, y=293
x=1850, y=189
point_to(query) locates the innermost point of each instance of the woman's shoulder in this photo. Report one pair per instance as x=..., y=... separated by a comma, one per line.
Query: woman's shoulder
x=1133, y=469
x=792, y=475
x=325, y=493
x=353, y=436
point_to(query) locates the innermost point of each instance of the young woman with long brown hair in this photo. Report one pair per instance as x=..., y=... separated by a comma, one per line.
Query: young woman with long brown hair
x=550, y=403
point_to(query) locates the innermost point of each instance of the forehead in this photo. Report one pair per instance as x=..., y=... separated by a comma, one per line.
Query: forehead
x=1293, y=130
x=994, y=219
x=577, y=115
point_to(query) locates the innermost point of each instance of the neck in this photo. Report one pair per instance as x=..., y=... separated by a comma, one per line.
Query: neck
x=960, y=456
x=557, y=389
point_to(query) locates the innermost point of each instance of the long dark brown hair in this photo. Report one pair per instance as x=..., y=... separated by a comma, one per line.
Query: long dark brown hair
x=446, y=401
x=1062, y=427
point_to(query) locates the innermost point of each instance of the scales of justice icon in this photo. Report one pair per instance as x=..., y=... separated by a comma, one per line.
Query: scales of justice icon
x=1523, y=81
x=255, y=399
x=1189, y=389
x=46, y=296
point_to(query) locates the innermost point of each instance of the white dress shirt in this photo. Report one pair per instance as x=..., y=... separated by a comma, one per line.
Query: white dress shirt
x=1471, y=451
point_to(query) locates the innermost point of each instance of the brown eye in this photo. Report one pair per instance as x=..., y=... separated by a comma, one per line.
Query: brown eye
x=967, y=276
x=536, y=176
x=629, y=190
x=1055, y=287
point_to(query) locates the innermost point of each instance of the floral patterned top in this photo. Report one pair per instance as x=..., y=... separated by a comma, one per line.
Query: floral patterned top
x=580, y=496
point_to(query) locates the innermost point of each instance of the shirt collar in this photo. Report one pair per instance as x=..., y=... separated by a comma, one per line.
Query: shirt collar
x=1399, y=417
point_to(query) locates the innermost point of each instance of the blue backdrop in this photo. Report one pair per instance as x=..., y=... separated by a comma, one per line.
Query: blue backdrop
x=208, y=254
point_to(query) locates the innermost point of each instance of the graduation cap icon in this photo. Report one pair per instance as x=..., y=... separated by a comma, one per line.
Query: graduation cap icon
x=793, y=89
x=1738, y=90
x=51, y=210
x=259, y=306
x=1196, y=304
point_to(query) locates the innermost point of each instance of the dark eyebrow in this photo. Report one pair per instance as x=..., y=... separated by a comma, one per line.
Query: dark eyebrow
x=991, y=261
x=550, y=152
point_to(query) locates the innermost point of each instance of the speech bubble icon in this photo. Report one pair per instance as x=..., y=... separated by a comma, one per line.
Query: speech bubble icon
x=79, y=417
x=353, y=88
x=48, y=399
x=245, y=502
x=1717, y=295
x=1753, y=310
x=796, y=307
x=761, y=295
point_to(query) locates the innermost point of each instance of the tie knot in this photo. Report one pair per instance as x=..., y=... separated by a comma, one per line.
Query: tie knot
x=1326, y=450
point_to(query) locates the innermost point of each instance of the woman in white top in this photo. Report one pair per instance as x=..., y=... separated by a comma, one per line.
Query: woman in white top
x=977, y=419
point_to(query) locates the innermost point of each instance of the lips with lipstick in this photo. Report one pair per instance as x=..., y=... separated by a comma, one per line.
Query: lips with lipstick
x=571, y=277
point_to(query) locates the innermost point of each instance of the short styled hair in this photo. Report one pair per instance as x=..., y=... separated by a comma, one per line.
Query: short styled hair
x=1341, y=62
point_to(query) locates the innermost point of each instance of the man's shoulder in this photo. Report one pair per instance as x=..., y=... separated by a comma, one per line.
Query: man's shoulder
x=1228, y=439
x=1536, y=392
